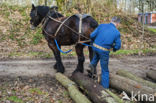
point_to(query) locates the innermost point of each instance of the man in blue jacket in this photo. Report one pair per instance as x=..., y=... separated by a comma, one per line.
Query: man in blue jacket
x=105, y=37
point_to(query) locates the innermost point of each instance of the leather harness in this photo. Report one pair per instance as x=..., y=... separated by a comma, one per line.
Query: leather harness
x=78, y=33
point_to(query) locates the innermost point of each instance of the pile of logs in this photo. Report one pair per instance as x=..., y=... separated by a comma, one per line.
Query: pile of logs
x=124, y=81
x=142, y=89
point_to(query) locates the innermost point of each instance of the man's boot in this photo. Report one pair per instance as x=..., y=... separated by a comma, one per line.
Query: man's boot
x=92, y=72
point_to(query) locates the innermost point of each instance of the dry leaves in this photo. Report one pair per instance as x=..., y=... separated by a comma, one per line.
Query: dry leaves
x=37, y=89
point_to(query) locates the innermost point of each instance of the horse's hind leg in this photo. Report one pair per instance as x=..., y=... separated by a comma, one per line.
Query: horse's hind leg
x=59, y=65
x=55, y=66
x=81, y=58
x=90, y=53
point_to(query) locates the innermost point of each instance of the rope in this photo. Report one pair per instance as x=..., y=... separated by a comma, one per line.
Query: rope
x=65, y=52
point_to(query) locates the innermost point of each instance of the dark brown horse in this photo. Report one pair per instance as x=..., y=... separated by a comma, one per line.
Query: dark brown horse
x=66, y=35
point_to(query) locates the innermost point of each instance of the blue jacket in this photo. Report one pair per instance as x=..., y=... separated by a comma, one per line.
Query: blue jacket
x=107, y=36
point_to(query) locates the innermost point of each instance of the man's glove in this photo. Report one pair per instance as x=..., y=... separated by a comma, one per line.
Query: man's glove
x=114, y=50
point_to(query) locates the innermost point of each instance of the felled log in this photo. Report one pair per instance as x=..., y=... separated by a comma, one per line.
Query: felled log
x=74, y=93
x=151, y=74
x=94, y=90
x=132, y=87
x=135, y=78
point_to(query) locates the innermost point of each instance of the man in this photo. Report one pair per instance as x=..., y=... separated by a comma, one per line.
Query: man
x=105, y=37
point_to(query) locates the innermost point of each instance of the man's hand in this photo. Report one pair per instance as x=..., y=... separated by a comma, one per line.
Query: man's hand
x=114, y=50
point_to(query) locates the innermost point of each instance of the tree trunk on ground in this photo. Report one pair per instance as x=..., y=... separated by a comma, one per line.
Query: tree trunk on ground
x=94, y=90
x=75, y=94
x=138, y=79
x=151, y=74
x=130, y=86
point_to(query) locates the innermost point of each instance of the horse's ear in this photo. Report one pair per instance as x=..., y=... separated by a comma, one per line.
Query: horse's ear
x=54, y=8
x=33, y=6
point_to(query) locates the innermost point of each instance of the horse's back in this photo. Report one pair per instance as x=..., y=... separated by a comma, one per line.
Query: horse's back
x=86, y=18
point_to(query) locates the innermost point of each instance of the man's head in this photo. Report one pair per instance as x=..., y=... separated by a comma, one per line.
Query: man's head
x=115, y=20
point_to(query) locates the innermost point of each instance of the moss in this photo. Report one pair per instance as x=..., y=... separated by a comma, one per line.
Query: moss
x=36, y=91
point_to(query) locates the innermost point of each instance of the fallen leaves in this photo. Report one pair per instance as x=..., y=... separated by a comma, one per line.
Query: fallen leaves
x=39, y=89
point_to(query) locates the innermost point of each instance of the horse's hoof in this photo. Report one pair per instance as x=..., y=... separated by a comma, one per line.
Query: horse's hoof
x=61, y=71
x=55, y=66
x=77, y=70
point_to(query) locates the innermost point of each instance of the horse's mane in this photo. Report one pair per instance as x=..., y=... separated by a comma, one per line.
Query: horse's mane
x=42, y=10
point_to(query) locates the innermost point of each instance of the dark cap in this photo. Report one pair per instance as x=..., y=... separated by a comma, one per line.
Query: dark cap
x=115, y=19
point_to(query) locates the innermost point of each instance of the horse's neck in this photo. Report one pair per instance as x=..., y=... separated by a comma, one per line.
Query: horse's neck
x=55, y=14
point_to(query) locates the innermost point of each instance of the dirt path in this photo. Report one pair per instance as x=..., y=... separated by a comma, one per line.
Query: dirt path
x=137, y=65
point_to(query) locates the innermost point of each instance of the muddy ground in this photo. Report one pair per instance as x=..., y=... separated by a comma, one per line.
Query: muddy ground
x=32, y=81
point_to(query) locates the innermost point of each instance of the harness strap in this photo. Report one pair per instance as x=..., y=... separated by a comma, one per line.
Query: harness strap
x=80, y=26
x=62, y=23
x=48, y=34
x=69, y=27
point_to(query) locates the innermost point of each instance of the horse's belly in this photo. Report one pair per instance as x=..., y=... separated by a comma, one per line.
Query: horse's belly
x=67, y=43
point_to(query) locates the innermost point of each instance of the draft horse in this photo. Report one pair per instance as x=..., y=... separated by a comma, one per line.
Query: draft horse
x=65, y=35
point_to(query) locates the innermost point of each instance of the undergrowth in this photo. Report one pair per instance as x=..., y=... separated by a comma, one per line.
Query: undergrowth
x=15, y=32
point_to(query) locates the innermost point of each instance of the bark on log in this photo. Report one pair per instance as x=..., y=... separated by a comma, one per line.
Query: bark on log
x=94, y=90
x=131, y=86
x=75, y=94
x=135, y=78
x=151, y=74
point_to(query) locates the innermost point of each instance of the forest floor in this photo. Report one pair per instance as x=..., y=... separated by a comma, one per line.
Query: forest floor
x=32, y=80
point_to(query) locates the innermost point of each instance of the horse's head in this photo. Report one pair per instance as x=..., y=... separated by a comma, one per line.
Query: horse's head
x=37, y=14
x=35, y=18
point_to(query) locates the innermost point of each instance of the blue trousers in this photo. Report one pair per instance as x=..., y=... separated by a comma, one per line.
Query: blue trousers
x=103, y=56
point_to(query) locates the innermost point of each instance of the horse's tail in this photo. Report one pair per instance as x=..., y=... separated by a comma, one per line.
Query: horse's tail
x=93, y=23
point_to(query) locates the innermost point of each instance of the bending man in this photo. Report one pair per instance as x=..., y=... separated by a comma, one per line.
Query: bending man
x=105, y=37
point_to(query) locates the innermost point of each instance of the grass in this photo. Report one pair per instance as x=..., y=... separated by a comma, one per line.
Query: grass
x=122, y=52
x=66, y=94
x=37, y=37
x=133, y=52
x=15, y=99
x=31, y=54
x=36, y=91
x=152, y=30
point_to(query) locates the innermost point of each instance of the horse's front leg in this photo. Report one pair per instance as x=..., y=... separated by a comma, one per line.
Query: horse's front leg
x=81, y=58
x=59, y=65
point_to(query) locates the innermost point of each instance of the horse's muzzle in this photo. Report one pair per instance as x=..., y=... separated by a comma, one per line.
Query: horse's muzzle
x=32, y=27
